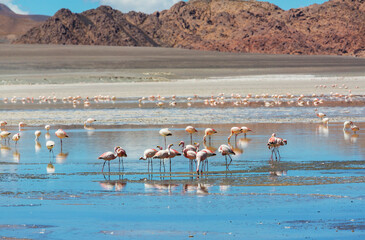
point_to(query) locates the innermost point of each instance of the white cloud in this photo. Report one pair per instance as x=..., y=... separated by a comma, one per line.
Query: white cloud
x=13, y=7
x=146, y=6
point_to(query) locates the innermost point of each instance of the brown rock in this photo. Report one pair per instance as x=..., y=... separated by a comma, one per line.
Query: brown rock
x=335, y=27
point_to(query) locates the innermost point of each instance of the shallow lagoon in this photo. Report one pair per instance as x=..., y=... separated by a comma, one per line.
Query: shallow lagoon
x=316, y=190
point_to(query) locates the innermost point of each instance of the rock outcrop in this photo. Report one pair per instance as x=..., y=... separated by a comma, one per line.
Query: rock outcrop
x=335, y=27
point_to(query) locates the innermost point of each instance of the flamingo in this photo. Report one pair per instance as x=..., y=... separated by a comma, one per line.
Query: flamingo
x=355, y=128
x=22, y=125
x=210, y=154
x=325, y=121
x=235, y=131
x=274, y=143
x=5, y=135
x=148, y=155
x=191, y=130
x=245, y=130
x=89, y=121
x=173, y=153
x=209, y=132
x=50, y=145
x=165, y=132
x=162, y=154
x=120, y=153
x=200, y=157
x=3, y=124
x=16, y=138
x=189, y=154
x=107, y=156
x=226, y=150
x=347, y=125
x=61, y=134
x=319, y=114
x=47, y=127
x=37, y=134
x=190, y=147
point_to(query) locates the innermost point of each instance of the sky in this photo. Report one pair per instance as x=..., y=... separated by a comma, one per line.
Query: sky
x=49, y=7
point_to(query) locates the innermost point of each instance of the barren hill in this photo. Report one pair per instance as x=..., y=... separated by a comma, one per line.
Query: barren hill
x=335, y=27
x=14, y=25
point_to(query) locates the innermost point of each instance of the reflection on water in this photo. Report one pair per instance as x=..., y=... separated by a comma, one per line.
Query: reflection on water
x=5, y=150
x=47, y=136
x=37, y=146
x=61, y=157
x=16, y=156
x=50, y=168
x=277, y=169
x=322, y=130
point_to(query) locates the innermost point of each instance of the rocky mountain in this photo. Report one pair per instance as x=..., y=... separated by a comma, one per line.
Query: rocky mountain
x=14, y=25
x=335, y=27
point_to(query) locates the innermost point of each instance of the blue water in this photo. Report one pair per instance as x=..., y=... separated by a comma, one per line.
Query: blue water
x=315, y=191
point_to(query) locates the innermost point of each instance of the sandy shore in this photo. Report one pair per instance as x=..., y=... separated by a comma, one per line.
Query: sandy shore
x=33, y=70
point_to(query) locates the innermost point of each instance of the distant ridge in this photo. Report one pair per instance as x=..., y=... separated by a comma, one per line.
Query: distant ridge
x=14, y=25
x=335, y=27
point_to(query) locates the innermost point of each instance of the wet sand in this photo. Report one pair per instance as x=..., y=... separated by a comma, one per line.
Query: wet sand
x=132, y=72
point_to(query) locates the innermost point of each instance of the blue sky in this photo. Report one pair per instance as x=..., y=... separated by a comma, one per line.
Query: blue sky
x=49, y=7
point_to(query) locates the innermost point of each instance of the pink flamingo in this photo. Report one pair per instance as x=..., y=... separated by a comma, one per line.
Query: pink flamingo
x=61, y=134
x=191, y=130
x=173, y=153
x=191, y=155
x=235, y=131
x=210, y=154
x=245, y=130
x=162, y=154
x=226, y=150
x=274, y=143
x=120, y=153
x=148, y=155
x=190, y=147
x=107, y=156
x=16, y=138
x=201, y=156
x=209, y=132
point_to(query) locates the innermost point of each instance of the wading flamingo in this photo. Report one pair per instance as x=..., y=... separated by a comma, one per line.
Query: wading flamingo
x=162, y=154
x=190, y=147
x=61, y=134
x=319, y=114
x=226, y=150
x=201, y=156
x=274, y=143
x=47, y=127
x=50, y=145
x=209, y=132
x=37, y=134
x=5, y=135
x=164, y=132
x=355, y=128
x=191, y=130
x=191, y=155
x=120, y=153
x=347, y=125
x=235, y=131
x=22, y=125
x=245, y=130
x=16, y=138
x=89, y=121
x=107, y=157
x=148, y=155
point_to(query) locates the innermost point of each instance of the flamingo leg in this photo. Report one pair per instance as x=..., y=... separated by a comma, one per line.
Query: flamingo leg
x=235, y=138
x=191, y=138
x=226, y=162
x=278, y=153
x=165, y=141
x=102, y=170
